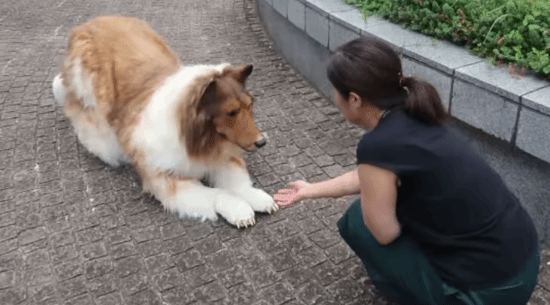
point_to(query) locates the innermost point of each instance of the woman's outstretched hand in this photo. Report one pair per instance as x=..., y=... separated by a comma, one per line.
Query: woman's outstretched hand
x=297, y=191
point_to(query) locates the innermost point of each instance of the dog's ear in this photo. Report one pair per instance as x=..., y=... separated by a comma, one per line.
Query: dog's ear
x=240, y=73
x=207, y=99
x=201, y=133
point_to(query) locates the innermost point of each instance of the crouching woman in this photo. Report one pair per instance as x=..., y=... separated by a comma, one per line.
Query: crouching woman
x=434, y=224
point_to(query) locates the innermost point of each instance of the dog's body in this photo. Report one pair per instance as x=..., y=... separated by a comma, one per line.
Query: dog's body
x=131, y=100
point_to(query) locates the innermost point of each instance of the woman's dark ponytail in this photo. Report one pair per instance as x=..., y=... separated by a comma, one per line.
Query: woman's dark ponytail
x=423, y=100
x=372, y=69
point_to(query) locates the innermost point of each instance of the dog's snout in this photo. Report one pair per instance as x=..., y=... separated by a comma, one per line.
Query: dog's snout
x=260, y=143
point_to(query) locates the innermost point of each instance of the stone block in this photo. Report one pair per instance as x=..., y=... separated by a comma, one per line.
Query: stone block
x=533, y=136
x=538, y=100
x=354, y=20
x=317, y=26
x=326, y=7
x=441, y=81
x=442, y=55
x=339, y=35
x=297, y=14
x=281, y=6
x=396, y=35
x=499, y=80
x=484, y=109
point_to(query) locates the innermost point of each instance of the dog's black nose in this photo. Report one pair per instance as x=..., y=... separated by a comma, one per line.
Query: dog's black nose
x=260, y=143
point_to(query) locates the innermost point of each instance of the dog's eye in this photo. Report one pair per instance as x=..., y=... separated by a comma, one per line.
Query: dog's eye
x=233, y=113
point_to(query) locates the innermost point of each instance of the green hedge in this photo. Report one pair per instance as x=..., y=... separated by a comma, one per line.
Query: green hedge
x=511, y=31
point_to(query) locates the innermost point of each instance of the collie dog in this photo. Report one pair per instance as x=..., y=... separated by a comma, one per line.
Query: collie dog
x=131, y=100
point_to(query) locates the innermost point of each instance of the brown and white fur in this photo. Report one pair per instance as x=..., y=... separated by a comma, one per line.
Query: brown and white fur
x=131, y=100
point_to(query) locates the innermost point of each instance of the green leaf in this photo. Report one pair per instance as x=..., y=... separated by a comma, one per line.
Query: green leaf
x=436, y=8
x=510, y=6
x=447, y=10
x=528, y=20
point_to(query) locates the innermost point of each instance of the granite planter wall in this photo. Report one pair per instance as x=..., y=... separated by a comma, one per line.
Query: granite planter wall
x=515, y=109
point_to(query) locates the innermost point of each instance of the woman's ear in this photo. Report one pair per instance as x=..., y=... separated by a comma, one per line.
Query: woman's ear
x=354, y=100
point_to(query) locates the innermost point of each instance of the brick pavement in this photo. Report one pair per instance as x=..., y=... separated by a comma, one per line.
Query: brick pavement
x=74, y=231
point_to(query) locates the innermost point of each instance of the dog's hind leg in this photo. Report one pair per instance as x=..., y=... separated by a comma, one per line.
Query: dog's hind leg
x=59, y=92
x=85, y=89
x=98, y=137
x=89, y=121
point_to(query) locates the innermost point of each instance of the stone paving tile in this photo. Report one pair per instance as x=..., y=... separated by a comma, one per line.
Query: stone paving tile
x=74, y=231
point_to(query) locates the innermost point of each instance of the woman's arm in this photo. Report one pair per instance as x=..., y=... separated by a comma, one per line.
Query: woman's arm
x=378, y=202
x=346, y=184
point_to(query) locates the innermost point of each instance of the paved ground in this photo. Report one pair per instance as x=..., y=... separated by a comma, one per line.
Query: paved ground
x=73, y=231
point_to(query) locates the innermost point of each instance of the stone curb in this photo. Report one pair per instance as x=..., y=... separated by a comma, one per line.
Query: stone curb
x=515, y=109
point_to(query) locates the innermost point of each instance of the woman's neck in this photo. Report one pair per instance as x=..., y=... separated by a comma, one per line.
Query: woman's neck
x=370, y=117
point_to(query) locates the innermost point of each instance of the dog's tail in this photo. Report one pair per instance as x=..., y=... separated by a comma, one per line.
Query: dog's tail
x=59, y=90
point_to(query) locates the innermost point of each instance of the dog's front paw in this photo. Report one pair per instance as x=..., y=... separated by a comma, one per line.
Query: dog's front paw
x=242, y=224
x=235, y=210
x=193, y=204
x=260, y=201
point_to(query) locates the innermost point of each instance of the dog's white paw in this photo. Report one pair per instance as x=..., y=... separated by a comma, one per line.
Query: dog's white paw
x=259, y=200
x=193, y=204
x=245, y=223
x=235, y=210
x=203, y=216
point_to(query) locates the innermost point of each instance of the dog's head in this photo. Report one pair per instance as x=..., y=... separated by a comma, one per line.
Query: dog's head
x=223, y=112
